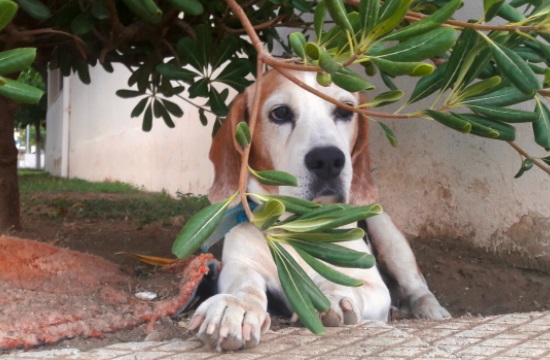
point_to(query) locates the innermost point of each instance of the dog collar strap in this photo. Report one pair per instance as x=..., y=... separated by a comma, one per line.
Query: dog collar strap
x=232, y=217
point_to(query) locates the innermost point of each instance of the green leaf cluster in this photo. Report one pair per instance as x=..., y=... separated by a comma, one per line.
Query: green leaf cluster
x=198, y=68
x=15, y=61
x=312, y=230
x=483, y=79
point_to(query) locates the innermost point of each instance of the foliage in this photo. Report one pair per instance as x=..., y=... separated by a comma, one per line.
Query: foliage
x=106, y=200
x=31, y=114
x=14, y=61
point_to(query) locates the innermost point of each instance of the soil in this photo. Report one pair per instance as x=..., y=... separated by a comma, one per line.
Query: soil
x=465, y=279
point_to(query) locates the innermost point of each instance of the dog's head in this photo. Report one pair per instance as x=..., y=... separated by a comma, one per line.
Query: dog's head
x=322, y=145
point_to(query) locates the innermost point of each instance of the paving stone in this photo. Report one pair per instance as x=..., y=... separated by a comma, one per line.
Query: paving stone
x=239, y=356
x=404, y=351
x=510, y=319
x=296, y=340
x=502, y=337
x=529, y=353
x=273, y=348
x=335, y=357
x=359, y=351
x=436, y=354
x=135, y=346
x=313, y=350
x=338, y=340
x=99, y=354
x=500, y=342
x=180, y=345
x=193, y=356
x=457, y=341
x=433, y=334
x=286, y=357
x=480, y=351
x=46, y=354
x=492, y=327
x=145, y=355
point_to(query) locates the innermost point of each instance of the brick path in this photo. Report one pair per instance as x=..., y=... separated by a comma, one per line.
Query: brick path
x=503, y=337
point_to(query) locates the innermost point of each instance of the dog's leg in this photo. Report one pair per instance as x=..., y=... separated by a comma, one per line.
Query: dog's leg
x=395, y=255
x=237, y=316
x=351, y=305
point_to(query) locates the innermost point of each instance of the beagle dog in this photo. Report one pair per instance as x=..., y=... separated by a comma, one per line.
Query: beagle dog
x=325, y=148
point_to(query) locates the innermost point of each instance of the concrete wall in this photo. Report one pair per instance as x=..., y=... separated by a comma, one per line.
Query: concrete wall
x=441, y=183
x=104, y=143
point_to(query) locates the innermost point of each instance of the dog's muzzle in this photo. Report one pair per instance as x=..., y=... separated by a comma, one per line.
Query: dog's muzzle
x=326, y=165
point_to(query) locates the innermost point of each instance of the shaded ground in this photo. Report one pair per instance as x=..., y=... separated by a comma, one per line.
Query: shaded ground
x=466, y=280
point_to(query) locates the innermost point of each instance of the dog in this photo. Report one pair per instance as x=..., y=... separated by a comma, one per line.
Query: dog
x=325, y=148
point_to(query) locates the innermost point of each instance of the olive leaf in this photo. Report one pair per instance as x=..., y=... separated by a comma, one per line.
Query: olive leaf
x=350, y=81
x=19, y=92
x=334, y=254
x=505, y=96
x=526, y=165
x=274, y=177
x=450, y=120
x=419, y=47
x=16, y=60
x=541, y=126
x=389, y=134
x=7, y=12
x=484, y=127
x=199, y=228
x=428, y=23
x=242, y=134
x=267, y=214
x=513, y=66
x=384, y=98
x=505, y=114
x=293, y=288
x=297, y=41
x=328, y=272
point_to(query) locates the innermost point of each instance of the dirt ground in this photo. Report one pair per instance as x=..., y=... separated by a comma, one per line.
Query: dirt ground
x=466, y=280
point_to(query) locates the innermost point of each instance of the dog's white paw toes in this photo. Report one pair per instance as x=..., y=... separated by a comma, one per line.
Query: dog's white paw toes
x=342, y=311
x=427, y=307
x=225, y=322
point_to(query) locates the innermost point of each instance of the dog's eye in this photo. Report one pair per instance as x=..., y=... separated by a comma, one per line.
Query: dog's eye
x=281, y=115
x=343, y=114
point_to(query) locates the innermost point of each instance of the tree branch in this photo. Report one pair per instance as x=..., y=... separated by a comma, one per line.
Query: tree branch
x=261, y=26
x=117, y=26
x=243, y=177
x=416, y=16
x=537, y=162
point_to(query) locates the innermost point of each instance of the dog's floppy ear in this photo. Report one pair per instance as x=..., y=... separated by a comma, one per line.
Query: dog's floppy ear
x=363, y=191
x=225, y=153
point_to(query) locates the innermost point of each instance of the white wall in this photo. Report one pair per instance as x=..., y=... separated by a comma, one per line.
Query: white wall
x=442, y=183
x=106, y=144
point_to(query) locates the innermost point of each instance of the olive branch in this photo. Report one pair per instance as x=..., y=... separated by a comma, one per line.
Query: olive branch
x=477, y=76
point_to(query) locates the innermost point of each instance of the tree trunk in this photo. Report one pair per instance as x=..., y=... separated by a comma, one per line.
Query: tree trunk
x=9, y=186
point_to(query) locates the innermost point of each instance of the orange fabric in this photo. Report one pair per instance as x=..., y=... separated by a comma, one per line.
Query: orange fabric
x=48, y=294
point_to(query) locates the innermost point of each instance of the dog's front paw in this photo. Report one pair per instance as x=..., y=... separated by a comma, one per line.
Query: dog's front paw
x=427, y=307
x=343, y=311
x=226, y=322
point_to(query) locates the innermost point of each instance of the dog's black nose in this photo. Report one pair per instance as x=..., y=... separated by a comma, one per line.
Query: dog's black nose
x=326, y=162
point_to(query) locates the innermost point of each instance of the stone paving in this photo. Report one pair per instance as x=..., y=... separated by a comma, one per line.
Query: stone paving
x=503, y=337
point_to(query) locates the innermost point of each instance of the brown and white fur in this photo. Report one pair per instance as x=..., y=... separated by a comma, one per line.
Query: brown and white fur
x=325, y=147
